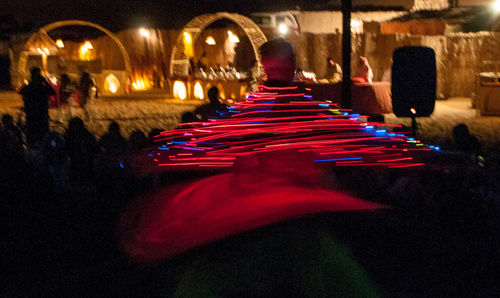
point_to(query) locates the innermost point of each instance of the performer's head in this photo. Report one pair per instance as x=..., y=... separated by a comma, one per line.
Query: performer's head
x=278, y=60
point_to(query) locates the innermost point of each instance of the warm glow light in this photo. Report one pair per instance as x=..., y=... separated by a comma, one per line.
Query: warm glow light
x=39, y=50
x=210, y=40
x=283, y=28
x=141, y=82
x=496, y=6
x=232, y=37
x=53, y=80
x=46, y=51
x=309, y=75
x=222, y=94
x=88, y=45
x=60, y=43
x=198, y=91
x=356, y=26
x=111, y=83
x=188, y=44
x=144, y=32
x=187, y=37
x=413, y=111
x=180, y=90
x=85, y=53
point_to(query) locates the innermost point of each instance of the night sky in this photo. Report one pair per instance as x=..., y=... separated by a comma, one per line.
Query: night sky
x=120, y=14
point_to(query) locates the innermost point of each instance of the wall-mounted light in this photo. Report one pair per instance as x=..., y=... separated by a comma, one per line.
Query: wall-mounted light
x=356, y=26
x=283, y=28
x=496, y=6
x=84, y=51
x=210, y=40
x=60, y=43
x=232, y=37
x=188, y=44
x=144, y=32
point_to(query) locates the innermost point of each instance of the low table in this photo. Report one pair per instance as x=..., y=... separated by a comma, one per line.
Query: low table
x=367, y=98
x=488, y=99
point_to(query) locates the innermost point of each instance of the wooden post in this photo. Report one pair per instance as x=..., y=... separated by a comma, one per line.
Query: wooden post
x=346, y=53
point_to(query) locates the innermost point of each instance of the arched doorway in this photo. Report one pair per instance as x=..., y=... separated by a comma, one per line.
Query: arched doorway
x=179, y=63
x=42, y=36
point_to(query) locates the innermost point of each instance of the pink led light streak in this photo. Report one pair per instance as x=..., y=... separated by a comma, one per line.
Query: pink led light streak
x=279, y=119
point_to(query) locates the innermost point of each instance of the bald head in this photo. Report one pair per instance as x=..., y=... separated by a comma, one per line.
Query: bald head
x=278, y=60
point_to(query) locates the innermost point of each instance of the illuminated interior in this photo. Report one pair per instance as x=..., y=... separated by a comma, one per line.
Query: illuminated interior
x=180, y=90
x=198, y=91
x=141, y=82
x=111, y=84
x=85, y=53
x=222, y=94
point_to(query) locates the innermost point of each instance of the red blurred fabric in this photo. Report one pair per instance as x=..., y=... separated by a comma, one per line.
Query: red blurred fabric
x=188, y=215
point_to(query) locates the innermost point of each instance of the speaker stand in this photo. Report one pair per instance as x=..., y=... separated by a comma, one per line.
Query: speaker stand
x=414, y=126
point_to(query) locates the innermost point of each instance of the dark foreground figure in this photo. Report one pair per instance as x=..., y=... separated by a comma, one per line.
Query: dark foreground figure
x=36, y=106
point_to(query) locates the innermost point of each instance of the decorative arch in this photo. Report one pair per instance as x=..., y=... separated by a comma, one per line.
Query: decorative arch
x=43, y=36
x=179, y=63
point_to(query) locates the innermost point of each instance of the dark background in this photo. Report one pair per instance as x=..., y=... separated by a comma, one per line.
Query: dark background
x=121, y=14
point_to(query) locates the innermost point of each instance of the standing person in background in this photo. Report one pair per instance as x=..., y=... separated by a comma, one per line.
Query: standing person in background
x=65, y=91
x=364, y=72
x=255, y=77
x=36, y=106
x=88, y=91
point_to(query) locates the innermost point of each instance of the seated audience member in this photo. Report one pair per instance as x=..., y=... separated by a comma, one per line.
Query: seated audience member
x=465, y=141
x=137, y=141
x=152, y=134
x=333, y=71
x=112, y=142
x=214, y=109
x=364, y=72
x=82, y=149
x=13, y=133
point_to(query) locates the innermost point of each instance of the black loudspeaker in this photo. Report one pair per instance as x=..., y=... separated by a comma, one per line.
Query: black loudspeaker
x=413, y=81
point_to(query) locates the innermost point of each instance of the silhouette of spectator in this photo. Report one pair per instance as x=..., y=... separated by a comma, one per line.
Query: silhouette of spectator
x=56, y=161
x=151, y=135
x=112, y=142
x=188, y=117
x=214, y=109
x=36, y=106
x=82, y=149
x=14, y=135
x=137, y=141
x=466, y=142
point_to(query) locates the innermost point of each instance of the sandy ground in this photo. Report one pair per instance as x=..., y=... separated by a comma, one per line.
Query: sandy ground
x=155, y=110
